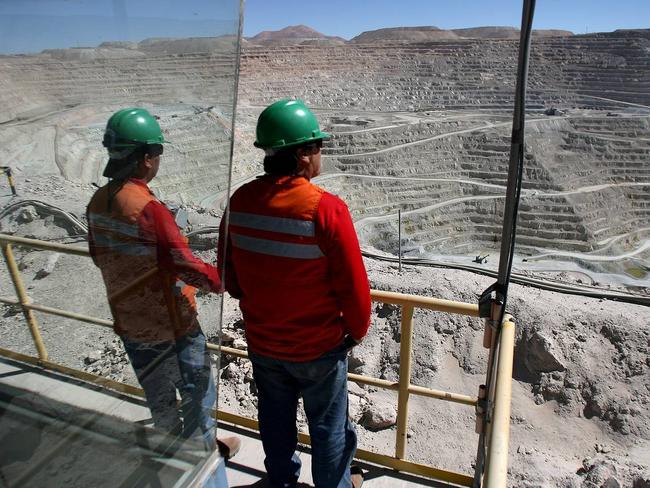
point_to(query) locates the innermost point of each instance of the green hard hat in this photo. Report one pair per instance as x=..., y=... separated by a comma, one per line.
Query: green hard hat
x=129, y=128
x=126, y=130
x=287, y=123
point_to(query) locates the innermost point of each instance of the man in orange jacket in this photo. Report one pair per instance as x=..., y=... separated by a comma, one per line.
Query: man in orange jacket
x=151, y=279
x=293, y=260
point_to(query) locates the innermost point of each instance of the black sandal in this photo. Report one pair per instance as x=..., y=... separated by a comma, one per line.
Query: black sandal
x=356, y=476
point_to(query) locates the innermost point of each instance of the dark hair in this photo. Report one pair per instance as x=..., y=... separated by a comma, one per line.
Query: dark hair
x=128, y=166
x=283, y=162
x=153, y=150
x=124, y=168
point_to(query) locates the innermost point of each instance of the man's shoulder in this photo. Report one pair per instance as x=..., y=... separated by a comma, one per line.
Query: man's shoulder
x=130, y=202
x=331, y=200
x=314, y=187
x=100, y=195
x=99, y=191
x=128, y=187
x=331, y=210
x=249, y=187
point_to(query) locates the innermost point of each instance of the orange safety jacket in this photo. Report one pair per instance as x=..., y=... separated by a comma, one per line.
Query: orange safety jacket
x=133, y=235
x=293, y=261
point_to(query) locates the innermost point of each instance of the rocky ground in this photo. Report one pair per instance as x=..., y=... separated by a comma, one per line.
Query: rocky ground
x=581, y=390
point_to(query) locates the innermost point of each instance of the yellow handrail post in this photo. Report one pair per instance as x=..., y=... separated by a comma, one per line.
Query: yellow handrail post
x=24, y=300
x=499, y=388
x=496, y=466
x=404, y=381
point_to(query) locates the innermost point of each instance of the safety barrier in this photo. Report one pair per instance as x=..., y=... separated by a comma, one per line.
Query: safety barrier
x=497, y=395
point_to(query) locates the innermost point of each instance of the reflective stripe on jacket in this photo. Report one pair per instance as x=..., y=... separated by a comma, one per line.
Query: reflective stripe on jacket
x=134, y=235
x=293, y=260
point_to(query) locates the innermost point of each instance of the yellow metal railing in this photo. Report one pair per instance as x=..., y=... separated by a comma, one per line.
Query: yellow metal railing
x=498, y=395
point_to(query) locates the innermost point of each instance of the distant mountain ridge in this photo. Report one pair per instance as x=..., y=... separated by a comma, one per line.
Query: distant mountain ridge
x=305, y=34
x=429, y=33
x=507, y=32
x=415, y=34
x=292, y=33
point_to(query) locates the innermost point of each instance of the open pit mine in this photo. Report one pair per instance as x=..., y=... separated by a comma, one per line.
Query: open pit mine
x=421, y=126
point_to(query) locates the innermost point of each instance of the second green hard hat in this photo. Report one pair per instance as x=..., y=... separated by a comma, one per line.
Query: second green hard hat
x=126, y=130
x=129, y=128
x=287, y=123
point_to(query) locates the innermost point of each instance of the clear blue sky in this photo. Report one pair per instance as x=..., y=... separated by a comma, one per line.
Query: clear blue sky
x=348, y=18
x=33, y=25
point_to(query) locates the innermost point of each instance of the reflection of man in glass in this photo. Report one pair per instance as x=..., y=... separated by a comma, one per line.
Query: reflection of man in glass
x=133, y=235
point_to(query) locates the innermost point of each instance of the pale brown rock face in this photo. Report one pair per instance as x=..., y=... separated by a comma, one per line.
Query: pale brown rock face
x=420, y=124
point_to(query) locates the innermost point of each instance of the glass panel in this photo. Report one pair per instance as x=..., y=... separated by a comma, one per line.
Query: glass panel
x=422, y=123
x=69, y=69
x=584, y=215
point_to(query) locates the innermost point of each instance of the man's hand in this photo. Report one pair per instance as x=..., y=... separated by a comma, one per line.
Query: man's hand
x=349, y=342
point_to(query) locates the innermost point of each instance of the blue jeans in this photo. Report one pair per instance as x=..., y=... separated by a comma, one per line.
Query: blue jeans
x=322, y=383
x=183, y=365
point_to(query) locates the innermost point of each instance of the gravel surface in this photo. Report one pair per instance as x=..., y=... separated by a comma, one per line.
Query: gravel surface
x=581, y=388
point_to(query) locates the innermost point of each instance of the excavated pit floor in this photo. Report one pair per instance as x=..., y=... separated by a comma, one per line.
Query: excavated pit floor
x=425, y=129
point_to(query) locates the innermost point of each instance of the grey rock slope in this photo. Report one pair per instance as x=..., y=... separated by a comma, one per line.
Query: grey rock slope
x=581, y=381
x=422, y=127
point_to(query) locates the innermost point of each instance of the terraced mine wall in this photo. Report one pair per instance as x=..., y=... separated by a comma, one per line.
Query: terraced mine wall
x=55, y=107
x=456, y=74
x=419, y=127
x=425, y=128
